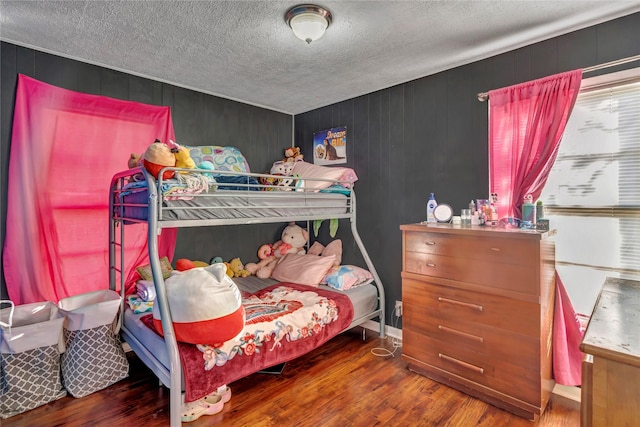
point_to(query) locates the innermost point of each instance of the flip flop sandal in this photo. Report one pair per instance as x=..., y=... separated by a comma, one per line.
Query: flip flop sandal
x=193, y=410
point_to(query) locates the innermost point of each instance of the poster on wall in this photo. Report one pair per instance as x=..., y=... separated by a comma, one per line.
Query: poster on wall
x=330, y=146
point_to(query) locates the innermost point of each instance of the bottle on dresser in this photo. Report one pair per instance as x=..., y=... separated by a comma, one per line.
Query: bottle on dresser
x=431, y=207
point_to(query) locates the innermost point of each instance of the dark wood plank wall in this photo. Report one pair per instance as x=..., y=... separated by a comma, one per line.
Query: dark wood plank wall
x=430, y=134
x=426, y=135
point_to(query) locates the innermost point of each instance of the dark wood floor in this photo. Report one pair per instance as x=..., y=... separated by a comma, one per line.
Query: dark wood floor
x=340, y=384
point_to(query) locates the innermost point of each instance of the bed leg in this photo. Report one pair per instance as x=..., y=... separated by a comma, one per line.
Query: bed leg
x=364, y=334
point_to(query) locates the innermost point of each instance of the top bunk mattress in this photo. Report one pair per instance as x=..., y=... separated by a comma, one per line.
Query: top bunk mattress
x=230, y=204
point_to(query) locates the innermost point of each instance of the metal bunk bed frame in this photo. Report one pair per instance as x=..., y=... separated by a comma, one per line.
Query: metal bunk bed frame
x=172, y=378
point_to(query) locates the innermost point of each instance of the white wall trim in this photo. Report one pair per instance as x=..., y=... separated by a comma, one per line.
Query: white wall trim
x=570, y=392
x=389, y=330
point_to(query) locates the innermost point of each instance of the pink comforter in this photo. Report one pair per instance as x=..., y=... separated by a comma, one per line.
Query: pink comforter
x=284, y=321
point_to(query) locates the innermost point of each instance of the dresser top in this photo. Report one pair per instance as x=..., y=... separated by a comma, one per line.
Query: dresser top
x=478, y=230
x=614, y=327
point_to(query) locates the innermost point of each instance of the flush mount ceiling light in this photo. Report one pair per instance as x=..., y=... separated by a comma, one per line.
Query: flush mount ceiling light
x=308, y=21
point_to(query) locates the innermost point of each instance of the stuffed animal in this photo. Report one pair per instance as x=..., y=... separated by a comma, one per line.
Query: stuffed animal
x=206, y=165
x=158, y=156
x=206, y=306
x=183, y=156
x=135, y=160
x=229, y=269
x=184, y=264
x=238, y=268
x=293, y=240
x=292, y=154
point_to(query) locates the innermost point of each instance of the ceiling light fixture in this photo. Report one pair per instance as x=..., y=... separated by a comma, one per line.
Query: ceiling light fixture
x=308, y=21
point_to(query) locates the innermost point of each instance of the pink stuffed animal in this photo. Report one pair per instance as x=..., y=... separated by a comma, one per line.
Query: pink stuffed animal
x=293, y=240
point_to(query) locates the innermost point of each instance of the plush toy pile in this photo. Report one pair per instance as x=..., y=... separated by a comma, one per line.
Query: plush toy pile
x=292, y=154
x=283, y=171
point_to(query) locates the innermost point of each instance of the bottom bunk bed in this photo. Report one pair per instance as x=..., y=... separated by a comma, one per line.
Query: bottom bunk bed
x=284, y=321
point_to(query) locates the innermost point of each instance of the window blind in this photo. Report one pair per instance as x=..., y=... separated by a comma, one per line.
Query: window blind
x=592, y=196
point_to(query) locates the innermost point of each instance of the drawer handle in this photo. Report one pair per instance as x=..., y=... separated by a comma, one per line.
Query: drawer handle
x=430, y=243
x=464, y=304
x=461, y=363
x=431, y=264
x=462, y=334
x=495, y=249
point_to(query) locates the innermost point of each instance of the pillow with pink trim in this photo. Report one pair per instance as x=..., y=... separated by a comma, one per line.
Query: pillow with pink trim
x=345, y=277
x=307, y=170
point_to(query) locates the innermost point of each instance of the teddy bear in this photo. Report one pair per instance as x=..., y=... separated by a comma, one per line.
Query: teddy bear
x=238, y=268
x=292, y=154
x=135, y=160
x=292, y=241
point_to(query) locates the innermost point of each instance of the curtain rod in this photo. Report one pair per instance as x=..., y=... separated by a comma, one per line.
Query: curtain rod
x=483, y=96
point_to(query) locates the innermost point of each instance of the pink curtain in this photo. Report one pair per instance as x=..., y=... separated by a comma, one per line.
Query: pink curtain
x=567, y=335
x=526, y=123
x=65, y=148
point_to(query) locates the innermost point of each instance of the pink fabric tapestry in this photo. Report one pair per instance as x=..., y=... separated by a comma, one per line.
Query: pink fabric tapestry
x=526, y=123
x=65, y=148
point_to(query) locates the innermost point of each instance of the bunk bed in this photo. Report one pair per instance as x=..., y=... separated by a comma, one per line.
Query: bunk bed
x=232, y=198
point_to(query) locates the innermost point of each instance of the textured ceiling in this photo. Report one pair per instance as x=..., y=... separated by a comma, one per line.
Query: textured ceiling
x=244, y=50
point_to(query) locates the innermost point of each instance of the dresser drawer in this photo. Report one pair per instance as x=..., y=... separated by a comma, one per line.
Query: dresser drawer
x=424, y=299
x=492, y=342
x=513, y=277
x=486, y=249
x=511, y=379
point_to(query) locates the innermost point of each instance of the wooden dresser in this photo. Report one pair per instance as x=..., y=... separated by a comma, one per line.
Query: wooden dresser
x=611, y=371
x=478, y=311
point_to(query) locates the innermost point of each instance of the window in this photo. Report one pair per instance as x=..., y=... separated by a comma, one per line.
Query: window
x=592, y=196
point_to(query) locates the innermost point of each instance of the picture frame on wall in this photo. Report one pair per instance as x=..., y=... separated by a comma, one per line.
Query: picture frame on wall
x=330, y=146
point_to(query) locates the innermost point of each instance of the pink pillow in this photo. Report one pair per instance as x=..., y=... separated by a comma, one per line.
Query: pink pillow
x=334, y=248
x=316, y=248
x=308, y=170
x=303, y=269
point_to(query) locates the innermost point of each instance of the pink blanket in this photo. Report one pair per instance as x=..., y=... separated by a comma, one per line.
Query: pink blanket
x=284, y=321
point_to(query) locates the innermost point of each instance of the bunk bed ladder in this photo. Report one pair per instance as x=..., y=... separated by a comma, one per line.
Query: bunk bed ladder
x=175, y=389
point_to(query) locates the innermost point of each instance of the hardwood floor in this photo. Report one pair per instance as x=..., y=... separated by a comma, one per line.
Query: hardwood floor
x=340, y=384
